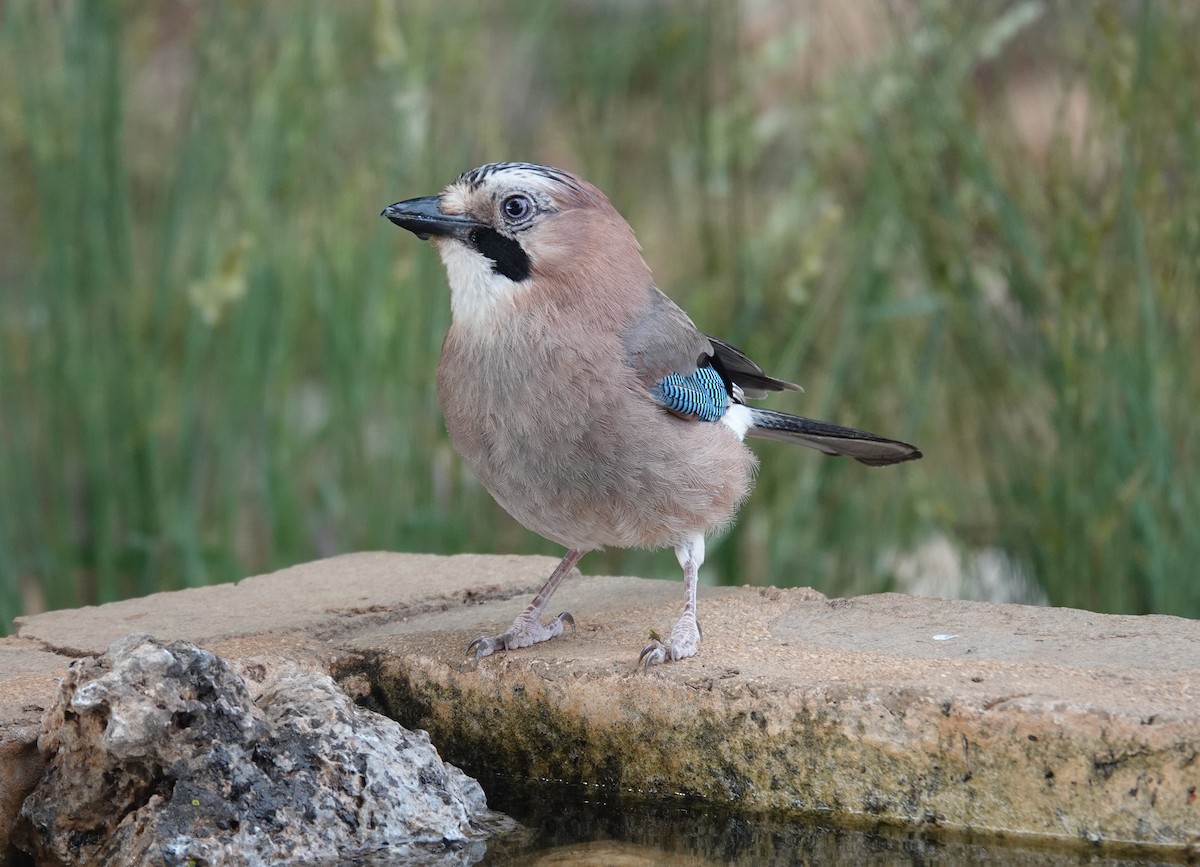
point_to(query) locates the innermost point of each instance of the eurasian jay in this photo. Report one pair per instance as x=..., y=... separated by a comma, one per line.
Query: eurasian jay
x=582, y=397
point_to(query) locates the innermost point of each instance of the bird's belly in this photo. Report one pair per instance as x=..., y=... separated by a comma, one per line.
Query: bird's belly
x=605, y=470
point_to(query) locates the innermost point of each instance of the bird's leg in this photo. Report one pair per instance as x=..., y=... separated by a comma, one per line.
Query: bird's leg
x=528, y=628
x=685, y=637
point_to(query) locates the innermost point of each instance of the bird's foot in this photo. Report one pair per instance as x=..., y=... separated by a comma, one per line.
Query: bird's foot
x=524, y=632
x=684, y=642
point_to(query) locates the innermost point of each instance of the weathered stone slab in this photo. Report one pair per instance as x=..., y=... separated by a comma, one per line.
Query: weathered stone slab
x=313, y=599
x=1000, y=718
x=28, y=678
x=918, y=712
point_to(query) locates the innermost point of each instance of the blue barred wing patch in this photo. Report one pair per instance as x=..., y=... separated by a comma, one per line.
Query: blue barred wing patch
x=701, y=395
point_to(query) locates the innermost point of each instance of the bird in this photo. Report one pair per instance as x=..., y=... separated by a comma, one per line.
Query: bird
x=587, y=403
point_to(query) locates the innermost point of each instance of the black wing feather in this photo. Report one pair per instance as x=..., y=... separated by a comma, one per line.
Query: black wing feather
x=735, y=367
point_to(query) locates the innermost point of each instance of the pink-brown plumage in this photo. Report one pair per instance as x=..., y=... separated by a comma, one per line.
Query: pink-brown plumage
x=550, y=377
x=570, y=443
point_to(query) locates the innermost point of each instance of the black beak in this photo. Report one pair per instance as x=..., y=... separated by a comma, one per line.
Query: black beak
x=424, y=218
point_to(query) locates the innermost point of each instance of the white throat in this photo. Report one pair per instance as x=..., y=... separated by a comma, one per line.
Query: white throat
x=475, y=289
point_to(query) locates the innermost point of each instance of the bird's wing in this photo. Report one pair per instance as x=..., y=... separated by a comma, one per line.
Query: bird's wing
x=662, y=340
x=672, y=359
x=737, y=368
x=701, y=395
x=696, y=376
x=690, y=373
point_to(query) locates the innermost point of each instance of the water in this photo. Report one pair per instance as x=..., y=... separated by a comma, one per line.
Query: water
x=573, y=825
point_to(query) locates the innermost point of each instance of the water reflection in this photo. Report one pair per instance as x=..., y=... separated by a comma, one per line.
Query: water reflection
x=586, y=826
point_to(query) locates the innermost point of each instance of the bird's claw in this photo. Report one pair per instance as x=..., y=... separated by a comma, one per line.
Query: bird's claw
x=524, y=632
x=654, y=654
x=685, y=641
x=484, y=646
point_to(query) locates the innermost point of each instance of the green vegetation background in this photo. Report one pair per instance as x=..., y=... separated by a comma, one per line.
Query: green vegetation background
x=973, y=225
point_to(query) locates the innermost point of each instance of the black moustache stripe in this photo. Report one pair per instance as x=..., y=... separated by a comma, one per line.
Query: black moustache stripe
x=508, y=257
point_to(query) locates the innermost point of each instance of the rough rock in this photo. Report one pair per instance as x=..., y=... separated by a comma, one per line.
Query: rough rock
x=162, y=753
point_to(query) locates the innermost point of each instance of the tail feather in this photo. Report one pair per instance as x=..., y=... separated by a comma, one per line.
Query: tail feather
x=832, y=439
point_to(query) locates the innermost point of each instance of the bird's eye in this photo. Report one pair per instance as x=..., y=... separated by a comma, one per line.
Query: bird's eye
x=517, y=208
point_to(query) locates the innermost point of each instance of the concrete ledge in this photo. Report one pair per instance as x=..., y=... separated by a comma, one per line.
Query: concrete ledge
x=1011, y=719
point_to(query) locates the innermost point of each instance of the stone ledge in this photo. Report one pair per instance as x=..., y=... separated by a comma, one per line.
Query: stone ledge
x=1012, y=719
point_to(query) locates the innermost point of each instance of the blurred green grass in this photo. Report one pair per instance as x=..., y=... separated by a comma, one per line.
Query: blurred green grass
x=969, y=225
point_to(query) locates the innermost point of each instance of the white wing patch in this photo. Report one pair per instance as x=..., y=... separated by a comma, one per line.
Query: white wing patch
x=738, y=418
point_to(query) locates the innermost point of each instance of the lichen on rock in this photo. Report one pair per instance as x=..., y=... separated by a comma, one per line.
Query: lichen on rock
x=159, y=753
